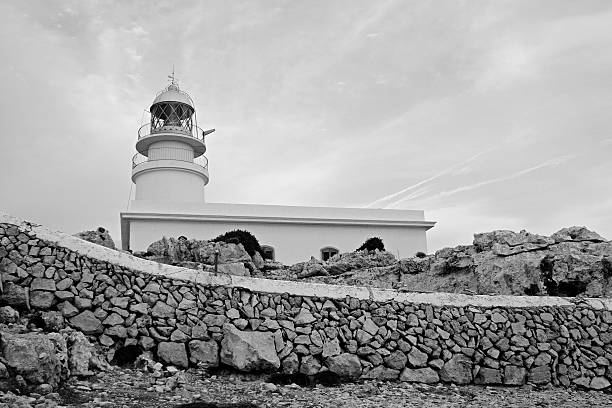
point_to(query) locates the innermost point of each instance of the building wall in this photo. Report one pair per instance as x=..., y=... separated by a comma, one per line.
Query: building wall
x=169, y=184
x=292, y=242
x=357, y=332
x=166, y=150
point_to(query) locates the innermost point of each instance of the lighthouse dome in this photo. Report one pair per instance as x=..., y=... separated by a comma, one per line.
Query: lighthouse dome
x=172, y=93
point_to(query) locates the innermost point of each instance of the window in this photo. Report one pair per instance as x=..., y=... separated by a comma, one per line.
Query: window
x=267, y=252
x=328, y=252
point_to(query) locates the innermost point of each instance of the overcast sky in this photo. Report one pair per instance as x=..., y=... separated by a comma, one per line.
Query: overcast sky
x=485, y=114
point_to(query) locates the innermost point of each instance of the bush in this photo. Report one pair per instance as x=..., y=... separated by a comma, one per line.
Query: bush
x=420, y=254
x=248, y=240
x=371, y=244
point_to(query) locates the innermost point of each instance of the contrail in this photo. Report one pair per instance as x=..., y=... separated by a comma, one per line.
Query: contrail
x=420, y=183
x=548, y=163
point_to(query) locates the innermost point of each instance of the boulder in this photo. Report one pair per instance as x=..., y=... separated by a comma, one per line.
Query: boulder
x=8, y=315
x=234, y=268
x=248, y=351
x=14, y=295
x=313, y=267
x=204, y=353
x=173, y=353
x=599, y=383
x=457, y=370
x=80, y=353
x=33, y=357
x=577, y=234
x=98, y=236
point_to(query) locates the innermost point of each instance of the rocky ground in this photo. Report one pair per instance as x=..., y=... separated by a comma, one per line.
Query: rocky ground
x=133, y=388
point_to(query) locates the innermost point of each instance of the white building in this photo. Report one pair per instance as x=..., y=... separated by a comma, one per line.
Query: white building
x=170, y=172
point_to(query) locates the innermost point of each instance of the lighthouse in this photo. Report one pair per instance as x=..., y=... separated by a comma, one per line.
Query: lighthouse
x=170, y=165
x=170, y=172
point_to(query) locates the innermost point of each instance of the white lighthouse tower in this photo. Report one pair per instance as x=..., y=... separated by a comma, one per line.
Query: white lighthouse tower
x=170, y=165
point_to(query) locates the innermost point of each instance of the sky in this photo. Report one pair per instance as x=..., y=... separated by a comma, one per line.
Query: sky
x=485, y=114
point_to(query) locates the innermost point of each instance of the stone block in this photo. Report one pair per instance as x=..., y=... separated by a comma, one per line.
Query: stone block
x=382, y=373
x=514, y=375
x=204, y=353
x=457, y=370
x=419, y=375
x=540, y=375
x=40, y=299
x=396, y=360
x=416, y=358
x=173, y=353
x=310, y=365
x=248, y=351
x=291, y=364
x=87, y=322
x=344, y=365
x=488, y=376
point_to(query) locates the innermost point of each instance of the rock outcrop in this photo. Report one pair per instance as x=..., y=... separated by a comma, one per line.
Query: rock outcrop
x=573, y=261
x=230, y=258
x=342, y=263
x=98, y=236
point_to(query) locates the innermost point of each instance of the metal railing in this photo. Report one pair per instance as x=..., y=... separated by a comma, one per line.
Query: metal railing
x=139, y=159
x=195, y=132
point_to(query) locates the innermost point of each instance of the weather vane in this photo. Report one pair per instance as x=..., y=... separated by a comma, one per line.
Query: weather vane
x=173, y=79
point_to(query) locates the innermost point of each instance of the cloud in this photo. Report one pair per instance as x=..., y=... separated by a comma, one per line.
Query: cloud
x=442, y=194
x=448, y=108
x=449, y=170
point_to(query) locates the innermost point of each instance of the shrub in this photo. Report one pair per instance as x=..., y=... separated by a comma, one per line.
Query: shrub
x=420, y=254
x=371, y=244
x=248, y=240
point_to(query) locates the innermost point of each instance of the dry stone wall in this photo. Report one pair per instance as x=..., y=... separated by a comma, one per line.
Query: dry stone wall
x=191, y=317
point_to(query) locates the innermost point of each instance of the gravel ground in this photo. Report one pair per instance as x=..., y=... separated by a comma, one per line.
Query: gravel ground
x=132, y=388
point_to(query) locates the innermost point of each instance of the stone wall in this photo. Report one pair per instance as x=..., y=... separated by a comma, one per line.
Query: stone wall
x=190, y=317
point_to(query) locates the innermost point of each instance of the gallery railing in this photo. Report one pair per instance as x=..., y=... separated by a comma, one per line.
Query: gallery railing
x=193, y=131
